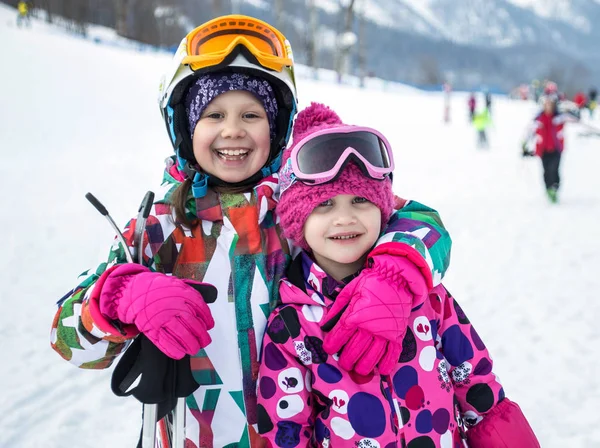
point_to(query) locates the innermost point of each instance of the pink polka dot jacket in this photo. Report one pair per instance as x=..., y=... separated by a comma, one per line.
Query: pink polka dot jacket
x=441, y=393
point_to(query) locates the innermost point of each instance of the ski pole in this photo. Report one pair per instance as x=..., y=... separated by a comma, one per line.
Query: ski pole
x=178, y=424
x=589, y=126
x=149, y=411
x=140, y=225
x=98, y=205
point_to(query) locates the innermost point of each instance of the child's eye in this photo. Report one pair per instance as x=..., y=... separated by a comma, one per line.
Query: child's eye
x=251, y=115
x=213, y=115
x=327, y=203
x=360, y=200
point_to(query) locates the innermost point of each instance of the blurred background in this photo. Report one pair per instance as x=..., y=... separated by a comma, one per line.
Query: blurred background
x=474, y=44
x=453, y=84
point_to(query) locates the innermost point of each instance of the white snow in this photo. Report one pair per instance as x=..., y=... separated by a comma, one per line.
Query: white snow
x=77, y=117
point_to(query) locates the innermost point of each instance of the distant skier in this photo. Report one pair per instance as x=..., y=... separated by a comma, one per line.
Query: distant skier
x=580, y=100
x=447, y=91
x=550, y=88
x=488, y=101
x=481, y=121
x=472, y=106
x=592, y=101
x=536, y=90
x=23, y=14
x=547, y=130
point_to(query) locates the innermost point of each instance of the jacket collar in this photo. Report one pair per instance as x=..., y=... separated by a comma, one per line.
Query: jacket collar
x=306, y=276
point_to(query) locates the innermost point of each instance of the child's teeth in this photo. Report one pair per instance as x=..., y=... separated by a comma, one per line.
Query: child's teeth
x=346, y=237
x=233, y=152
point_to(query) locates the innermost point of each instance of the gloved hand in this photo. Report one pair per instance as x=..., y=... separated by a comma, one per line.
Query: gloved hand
x=369, y=317
x=504, y=426
x=170, y=311
x=526, y=151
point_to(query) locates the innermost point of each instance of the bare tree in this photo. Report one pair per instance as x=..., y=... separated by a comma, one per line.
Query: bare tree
x=216, y=8
x=121, y=17
x=279, y=18
x=80, y=14
x=430, y=73
x=311, y=33
x=346, y=39
x=45, y=5
x=362, y=43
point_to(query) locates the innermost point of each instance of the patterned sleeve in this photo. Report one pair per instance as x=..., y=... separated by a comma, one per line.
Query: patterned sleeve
x=424, y=239
x=476, y=386
x=284, y=411
x=75, y=335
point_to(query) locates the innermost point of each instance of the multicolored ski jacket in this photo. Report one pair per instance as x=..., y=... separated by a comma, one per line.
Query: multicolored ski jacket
x=238, y=248
x=442, y=383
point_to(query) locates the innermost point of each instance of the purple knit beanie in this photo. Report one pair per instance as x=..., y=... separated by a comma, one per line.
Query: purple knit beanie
x=210, y=86
x=299, y=200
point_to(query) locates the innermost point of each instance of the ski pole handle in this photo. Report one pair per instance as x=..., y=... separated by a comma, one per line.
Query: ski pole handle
x=140, y=225
x=98, y=205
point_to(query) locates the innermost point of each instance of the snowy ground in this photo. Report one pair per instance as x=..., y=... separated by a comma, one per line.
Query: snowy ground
x=78, y=117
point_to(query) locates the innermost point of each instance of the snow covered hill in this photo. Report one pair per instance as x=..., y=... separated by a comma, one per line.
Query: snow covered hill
x=78, y=117
x=496, y=23
x=473, y=42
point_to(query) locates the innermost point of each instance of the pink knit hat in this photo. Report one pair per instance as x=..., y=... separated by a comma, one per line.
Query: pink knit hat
x=299, y=200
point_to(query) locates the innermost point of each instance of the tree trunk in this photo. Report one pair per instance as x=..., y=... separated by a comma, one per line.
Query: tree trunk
x=362, y=44
x=216, y=8
x=279, y=15
x=311, y=37
x=343, y=49
x=121, y=18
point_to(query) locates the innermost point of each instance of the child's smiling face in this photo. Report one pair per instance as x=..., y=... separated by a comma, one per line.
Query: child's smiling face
x=341, y=231
x=232, y=138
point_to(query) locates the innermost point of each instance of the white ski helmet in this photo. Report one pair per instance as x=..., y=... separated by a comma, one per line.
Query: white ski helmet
x=237, y=44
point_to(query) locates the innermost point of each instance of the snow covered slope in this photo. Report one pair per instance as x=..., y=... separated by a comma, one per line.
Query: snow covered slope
x=78, y=117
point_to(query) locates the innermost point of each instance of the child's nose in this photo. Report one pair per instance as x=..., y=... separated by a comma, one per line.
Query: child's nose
x=233, y=129
x=344, y=217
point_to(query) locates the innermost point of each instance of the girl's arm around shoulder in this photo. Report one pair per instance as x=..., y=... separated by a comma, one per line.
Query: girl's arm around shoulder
x=494, y=420
x=417, y=232
x=80, y=333
x=406, y=262
x=284, y=384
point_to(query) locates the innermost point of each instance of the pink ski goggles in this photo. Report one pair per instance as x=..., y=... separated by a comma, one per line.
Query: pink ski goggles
x=321, y=157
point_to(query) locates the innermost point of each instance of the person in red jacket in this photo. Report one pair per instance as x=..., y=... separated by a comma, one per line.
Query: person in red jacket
x=549, y=142
x=472, y=106
x=580, y=100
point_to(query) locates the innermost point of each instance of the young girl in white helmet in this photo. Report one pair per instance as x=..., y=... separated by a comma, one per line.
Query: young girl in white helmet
x=228, y=104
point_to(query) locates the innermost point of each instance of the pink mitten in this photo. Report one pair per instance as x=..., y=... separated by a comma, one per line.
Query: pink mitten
x=373, y=311
x=504, y=426
x=171, y=312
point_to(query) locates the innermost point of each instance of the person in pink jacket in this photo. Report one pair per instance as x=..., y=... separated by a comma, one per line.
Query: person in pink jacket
x=336, y=193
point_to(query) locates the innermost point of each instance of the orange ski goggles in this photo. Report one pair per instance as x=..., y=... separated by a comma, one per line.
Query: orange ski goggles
x=210, y=44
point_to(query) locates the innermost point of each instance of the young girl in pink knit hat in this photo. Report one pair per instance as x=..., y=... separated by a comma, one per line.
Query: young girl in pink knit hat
x=335, y=199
